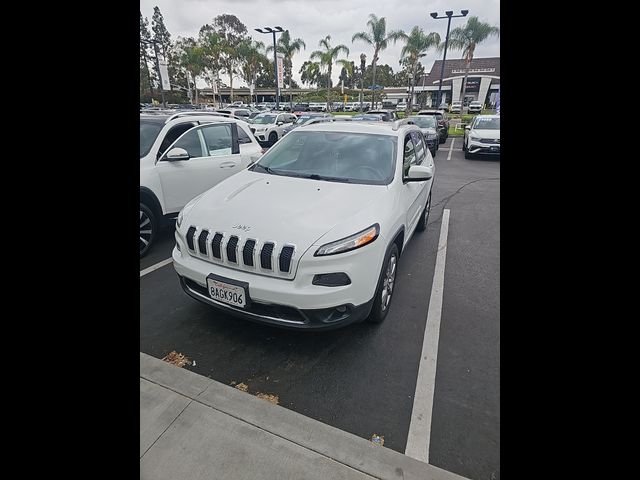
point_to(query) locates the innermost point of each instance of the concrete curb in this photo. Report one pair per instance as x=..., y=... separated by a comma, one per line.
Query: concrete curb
x=357, y=453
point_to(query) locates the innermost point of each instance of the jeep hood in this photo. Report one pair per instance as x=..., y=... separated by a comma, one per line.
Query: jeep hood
x=282, y=209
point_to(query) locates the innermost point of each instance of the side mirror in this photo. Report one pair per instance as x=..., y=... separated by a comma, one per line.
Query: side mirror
x=176, y=154
x=468, y=127
x=419, y=173
x=279, y=124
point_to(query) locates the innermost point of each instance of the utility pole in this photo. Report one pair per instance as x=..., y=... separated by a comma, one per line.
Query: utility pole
x=363, y=66
x=449, y=15
x=273, y=31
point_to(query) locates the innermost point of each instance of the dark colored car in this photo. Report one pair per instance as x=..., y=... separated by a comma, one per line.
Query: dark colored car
x=429, y=127
x=387, y=115
x=301, y=107
x=443, y=122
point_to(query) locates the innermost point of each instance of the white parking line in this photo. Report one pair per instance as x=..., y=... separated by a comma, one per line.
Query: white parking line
x=451, y=148
x=419, y=436
x=156, y=266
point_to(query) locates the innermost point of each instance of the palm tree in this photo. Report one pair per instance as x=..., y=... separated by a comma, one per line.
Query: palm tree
x=327, y=57
x=416, y=45
x=466, y=39
x=378, y=37
x=252, y=58
x=288, y=48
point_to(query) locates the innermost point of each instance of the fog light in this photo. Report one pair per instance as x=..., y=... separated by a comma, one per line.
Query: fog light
x=341, y=309
x=331, y=279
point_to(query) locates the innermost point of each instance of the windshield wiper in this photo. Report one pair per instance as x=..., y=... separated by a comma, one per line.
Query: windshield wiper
x=266, y=169
x=315, y=176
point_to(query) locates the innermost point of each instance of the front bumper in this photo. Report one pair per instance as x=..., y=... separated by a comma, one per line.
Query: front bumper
x=294, y=303
x=489, y=149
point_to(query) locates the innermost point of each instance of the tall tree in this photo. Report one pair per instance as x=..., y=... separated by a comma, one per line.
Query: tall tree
x=192, y=58
x=288, y=48
x=212, y=45
x=160, y=32
x=327, y=57
x=252, y=59
x=310, y=73
x=467, y=39
x=232, y=32
x=379, y=38
x=145, y=74
x=416, y=45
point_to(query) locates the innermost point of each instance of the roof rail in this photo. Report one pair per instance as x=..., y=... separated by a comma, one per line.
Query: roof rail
x=190, y=114
x=403, y=121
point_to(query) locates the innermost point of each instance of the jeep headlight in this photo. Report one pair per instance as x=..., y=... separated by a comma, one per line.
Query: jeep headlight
x=352, y=242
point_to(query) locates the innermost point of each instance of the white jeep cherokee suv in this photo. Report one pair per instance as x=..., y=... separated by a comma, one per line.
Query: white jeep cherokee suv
x=183, y=155
x=309, y=237
x=268, y=127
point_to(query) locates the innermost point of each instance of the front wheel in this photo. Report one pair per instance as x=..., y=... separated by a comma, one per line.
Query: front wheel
x=148, y=227
x=273, y=138
x=386, y=283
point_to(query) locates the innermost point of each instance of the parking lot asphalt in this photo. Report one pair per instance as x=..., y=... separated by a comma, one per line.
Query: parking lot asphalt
x=362, y=378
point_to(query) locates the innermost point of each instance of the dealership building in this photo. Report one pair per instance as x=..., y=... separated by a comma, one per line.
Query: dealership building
x=483, y=82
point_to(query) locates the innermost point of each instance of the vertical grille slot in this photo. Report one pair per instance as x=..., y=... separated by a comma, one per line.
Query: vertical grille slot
x=202, y=241
x=215, y=245
x=265, y=255
x=231, y=249
x=190, y=233
x=247, y=252
x=285, y=258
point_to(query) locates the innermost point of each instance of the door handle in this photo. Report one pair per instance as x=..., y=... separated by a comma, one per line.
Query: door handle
x=227, y=165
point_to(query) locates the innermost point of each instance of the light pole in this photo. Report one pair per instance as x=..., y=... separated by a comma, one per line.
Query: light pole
x=155, y=50
x=448, y=15
x=363, y=66
x=275, y=59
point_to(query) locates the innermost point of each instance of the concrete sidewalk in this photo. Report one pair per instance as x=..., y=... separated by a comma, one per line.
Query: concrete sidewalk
x=192, y=427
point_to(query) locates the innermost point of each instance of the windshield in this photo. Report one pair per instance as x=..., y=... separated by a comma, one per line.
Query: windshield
x=425, y=121
x=487, y=124
x=149, y=131
x=302, y=119
x=332, y=156
x=264, y=119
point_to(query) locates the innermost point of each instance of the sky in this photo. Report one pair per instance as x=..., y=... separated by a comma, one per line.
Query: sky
x=312, y=20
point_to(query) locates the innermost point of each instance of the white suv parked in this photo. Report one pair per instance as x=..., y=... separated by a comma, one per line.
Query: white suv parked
x=183, y=155
x=310, y=236
x=268, y=127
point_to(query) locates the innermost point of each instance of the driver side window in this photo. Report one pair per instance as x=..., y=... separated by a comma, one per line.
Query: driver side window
x=190, y=141
x=409, y=155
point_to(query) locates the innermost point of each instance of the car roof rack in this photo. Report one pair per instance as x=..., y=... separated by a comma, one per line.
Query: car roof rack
x=403, y=121
x=191, y=114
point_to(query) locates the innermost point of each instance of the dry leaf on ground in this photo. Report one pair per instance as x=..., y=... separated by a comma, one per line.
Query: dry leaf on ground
x=268, y=397
x=243, y=387
x=177, y=359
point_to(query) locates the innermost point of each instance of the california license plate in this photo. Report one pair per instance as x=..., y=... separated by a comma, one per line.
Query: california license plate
x=222, y=290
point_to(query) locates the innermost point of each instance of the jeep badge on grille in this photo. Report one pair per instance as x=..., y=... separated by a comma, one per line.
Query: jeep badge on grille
x=244, y=228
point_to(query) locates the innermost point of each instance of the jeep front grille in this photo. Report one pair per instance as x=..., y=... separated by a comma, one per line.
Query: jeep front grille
x=269, y=257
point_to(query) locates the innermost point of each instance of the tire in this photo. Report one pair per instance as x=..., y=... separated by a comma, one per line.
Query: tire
x=424, y=218
x=273, y=138
x=468, y=155
x=381, y=307
x=148, y=229
x=464, y=146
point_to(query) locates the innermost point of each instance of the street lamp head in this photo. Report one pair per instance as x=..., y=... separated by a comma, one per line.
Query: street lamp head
x=279, y=29
x=449, y=13
x=434, y=14
x=464, y=12
x=259, y=30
